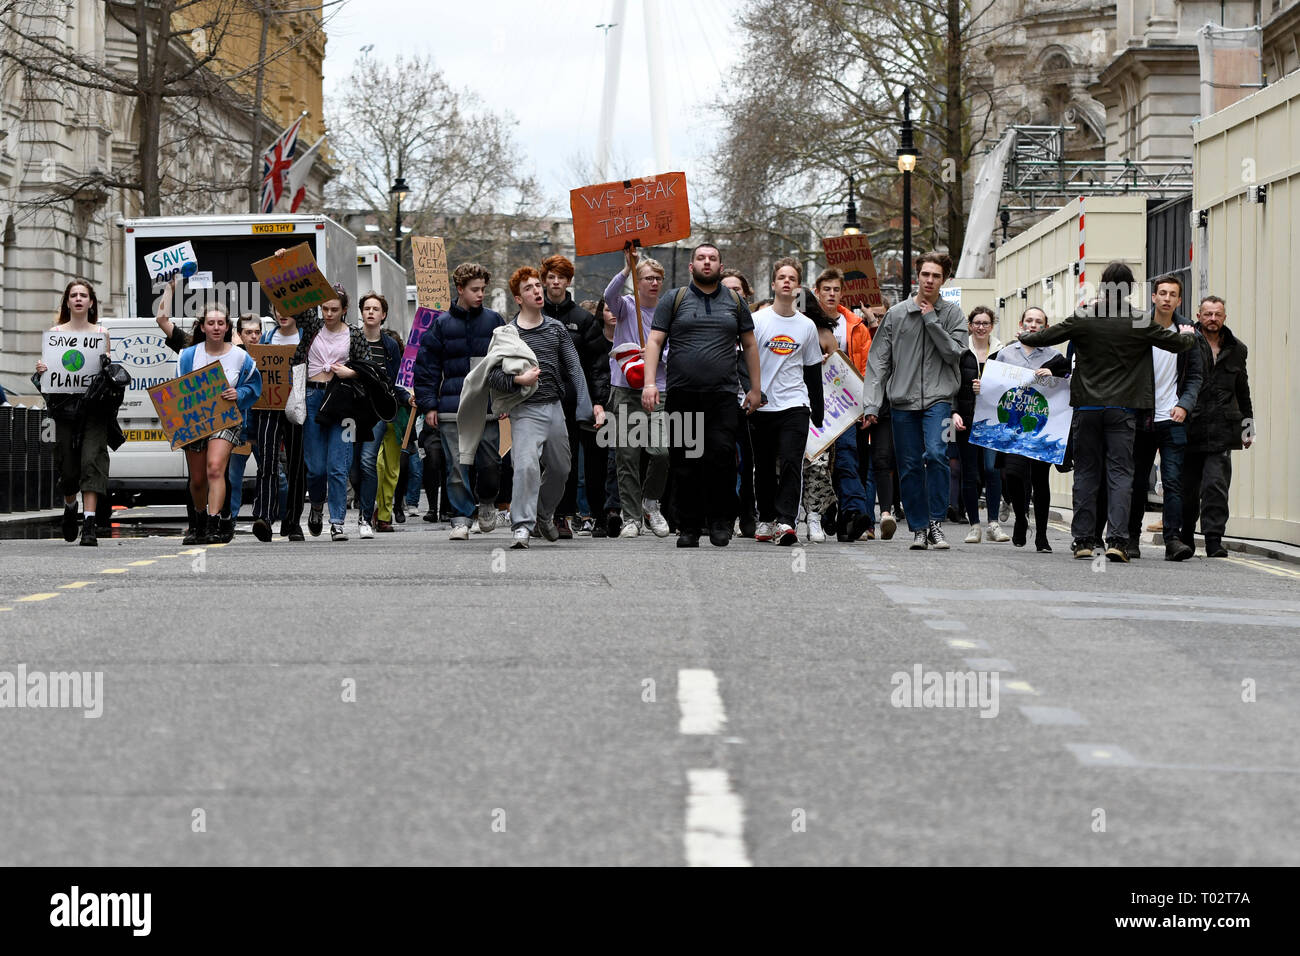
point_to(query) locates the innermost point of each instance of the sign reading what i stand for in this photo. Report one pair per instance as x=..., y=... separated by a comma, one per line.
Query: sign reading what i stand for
x=71, y=359
x=191, y=407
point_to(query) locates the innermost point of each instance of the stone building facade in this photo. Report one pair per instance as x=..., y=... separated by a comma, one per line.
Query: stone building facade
x=56, y=137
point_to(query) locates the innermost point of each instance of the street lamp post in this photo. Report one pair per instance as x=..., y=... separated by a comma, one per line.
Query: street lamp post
x=907, y=163
x=399, y=191
x=851, y=225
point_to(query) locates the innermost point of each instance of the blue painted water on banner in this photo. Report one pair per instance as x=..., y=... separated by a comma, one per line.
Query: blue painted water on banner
x=1010, y=439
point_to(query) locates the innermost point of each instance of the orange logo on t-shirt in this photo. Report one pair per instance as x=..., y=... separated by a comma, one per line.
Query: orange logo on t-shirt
x=781, y=344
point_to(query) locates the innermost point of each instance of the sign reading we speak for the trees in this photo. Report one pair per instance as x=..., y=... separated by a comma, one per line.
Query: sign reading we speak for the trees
x=648, y=211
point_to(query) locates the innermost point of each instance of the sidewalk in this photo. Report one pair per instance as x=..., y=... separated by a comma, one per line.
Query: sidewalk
x=1277, y=550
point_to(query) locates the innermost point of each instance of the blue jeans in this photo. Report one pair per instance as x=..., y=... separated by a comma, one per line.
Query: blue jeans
x=369, y=473
x=328, y=458
x=415, y=479
x=850, y=494
x=1170, y=440
x=487, y=471
x=235, y=476
x=922, y=455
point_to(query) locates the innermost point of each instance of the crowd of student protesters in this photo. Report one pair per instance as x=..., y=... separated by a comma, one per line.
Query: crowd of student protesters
x=1142, y=384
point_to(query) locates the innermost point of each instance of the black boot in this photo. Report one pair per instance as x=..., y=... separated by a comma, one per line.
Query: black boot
x=226, y=530
x=1214, y=547
x=213, y=533
x=198, y=524
x=88, y=538
x=71, y=519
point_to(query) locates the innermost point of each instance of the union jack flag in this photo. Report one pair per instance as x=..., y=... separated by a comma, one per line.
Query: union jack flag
x=275, y=163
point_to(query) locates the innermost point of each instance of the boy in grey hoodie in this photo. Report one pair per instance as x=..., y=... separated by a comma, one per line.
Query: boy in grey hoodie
x=915, y=361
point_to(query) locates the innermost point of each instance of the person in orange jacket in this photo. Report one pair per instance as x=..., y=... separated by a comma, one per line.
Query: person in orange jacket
x=853, y=337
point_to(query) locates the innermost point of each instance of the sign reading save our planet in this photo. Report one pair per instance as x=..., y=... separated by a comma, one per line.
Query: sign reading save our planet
x=1020, y=413
x=72, y=359
x=168, y=263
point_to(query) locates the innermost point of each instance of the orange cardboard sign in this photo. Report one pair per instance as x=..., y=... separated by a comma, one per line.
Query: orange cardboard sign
x=852, y=256
x=273, y=363
x=294, y=283
x=647, y=212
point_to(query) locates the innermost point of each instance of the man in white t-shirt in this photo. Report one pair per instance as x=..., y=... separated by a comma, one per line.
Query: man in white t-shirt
x=1177, y=385
x=789, y=362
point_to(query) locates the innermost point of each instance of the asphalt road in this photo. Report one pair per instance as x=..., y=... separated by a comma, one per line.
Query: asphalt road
x=413, y=700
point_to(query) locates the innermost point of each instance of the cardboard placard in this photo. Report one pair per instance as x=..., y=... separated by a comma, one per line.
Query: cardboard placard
x=422, y=322
x=191, y=407
x=432, y=282
x=294, y=283
x=504, y=445
x=648, y=211
x=1019, y=413
x=852, y=256
x=277, y=379
x=175, y=260
x=72, y=359
x=842, y=388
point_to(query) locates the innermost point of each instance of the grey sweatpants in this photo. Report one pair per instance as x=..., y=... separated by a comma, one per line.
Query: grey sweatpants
x=539, y=442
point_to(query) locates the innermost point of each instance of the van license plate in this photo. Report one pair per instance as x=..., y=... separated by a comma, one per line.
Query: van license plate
x=145, y=434
x=265, y=228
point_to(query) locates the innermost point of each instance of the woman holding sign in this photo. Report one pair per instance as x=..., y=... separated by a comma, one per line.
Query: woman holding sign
x=208, y=457
x=81, y=433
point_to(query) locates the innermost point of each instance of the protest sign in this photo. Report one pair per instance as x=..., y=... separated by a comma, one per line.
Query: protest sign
x=647, y=211
x=72, y=359
x=293, y=282
x=277, y=381
x=842, y=389
x=852, y=256
x=191, y=407
x=432, y=284
x=422, y=322
x=201, y=280
x=1021, y=414
x=168, y=263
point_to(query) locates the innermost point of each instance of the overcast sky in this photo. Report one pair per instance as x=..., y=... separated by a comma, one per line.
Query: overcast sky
x=544, y=62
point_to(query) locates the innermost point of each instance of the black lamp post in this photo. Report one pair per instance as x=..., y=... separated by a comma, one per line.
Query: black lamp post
x=851, y=225
x=906, y=163
x=399, y=191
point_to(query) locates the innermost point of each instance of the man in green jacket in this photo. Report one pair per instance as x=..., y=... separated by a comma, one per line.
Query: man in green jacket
x=1112, y=378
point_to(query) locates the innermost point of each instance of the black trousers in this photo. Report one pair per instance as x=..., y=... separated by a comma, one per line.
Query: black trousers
x=1018, y=477
x=779, y=439
x=745, y=464
x=876, y=459
x=704, y=478
x=594, y=460
x=1207, y=476
x=1103, y=454
x=269, y=429
x=435, y=471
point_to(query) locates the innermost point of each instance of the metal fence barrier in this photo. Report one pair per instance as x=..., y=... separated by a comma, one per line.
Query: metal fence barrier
x=28, y=476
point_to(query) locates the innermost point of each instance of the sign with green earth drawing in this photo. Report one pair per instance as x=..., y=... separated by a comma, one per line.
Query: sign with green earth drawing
x=71, y=360
x=1020, y=413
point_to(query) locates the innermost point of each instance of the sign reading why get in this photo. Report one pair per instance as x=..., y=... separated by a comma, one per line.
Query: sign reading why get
x=647, y=211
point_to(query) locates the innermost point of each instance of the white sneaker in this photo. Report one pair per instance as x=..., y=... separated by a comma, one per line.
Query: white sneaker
x=973, y=537
x=364, y=530
x=459, y=532
x=487, y=519
x=996, y=533
x=521, y=539
x=1004, y=510
x=503, y=518
x=815, y=532
x=763, y=531
x=654, y=518
x=630, y=529
x=784, y=535
x=887, y=526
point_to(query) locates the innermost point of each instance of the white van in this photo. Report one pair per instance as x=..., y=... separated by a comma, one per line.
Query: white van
x=145, y=467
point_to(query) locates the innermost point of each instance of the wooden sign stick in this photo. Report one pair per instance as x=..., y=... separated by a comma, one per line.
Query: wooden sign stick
x=636, y=292
x=410, y=420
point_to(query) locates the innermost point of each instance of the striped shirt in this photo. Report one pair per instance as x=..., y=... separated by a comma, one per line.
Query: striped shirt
x=554, y=349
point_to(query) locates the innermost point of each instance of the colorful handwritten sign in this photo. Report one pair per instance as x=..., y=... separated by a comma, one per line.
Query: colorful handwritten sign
x=842, y=390
x=648, y=212
x=852, y=256
x=72, y=359
x=191, y=407
x=277, y=380
x=422, y=322
x=293, y=282
x=432, y=284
